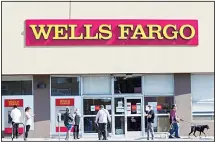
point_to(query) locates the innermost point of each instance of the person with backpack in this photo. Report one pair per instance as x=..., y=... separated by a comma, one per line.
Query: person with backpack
x=150, y=120
x=68, y=122
x=102, y=119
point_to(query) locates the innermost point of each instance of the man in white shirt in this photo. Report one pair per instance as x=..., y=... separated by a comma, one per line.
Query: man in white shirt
x=102, y=119
x=16, y=119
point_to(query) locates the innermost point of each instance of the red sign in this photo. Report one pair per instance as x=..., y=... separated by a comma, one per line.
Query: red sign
x=64, y=102
x=12, y=102
x=133, y=107
x=99, y=32
x=63, y=129
x=159, y=107
x=97, y=108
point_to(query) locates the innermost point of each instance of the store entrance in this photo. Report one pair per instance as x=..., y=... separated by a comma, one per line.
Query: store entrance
x=128, y=116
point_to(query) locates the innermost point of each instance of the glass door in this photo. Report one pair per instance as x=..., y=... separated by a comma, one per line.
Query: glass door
x=133, y=116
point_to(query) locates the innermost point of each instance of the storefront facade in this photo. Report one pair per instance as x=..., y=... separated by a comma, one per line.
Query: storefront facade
x=123, y=79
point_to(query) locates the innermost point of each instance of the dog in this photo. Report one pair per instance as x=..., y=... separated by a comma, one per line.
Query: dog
x=199, y=128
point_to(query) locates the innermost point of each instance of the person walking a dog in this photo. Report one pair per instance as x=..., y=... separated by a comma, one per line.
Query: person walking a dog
x=150, y=120
x=174, y=123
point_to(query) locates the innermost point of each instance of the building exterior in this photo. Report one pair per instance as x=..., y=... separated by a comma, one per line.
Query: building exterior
x=124, y=79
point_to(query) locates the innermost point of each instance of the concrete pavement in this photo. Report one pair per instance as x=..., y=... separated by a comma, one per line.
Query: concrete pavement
x=114, y=139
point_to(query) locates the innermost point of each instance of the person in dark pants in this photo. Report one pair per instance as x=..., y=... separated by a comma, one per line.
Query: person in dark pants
x=150, y=120
x=16, y=119
x=28, y=122
x=77, y=120
x=102, y=119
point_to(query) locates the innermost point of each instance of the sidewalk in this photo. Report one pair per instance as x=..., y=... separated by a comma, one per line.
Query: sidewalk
x=113, y=139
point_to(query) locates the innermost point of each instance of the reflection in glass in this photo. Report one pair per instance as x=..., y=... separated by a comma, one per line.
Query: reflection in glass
x=127, y=84
x=165, y=103
x=119, y=106
x=16, y=87
x=90, y=125
x=134, y=105
x=91, y=106
x=134, y=123
x=119, y=125
x=64, y=86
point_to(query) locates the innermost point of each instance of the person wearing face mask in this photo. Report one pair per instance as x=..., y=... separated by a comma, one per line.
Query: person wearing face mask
x=68, y=122
x=77, y=119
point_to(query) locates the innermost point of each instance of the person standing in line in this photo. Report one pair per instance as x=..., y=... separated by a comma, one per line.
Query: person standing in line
x=28, y=121
x=77, y=119
x=102, y=119
x=150, y=120
x=16, y=119
x=68, y=123
x=174, y=120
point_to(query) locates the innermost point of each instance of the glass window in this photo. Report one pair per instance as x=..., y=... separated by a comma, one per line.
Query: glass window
x=90, y=126
x=119, y=106
x=202, y=90
x=65, y=86
x=127, y=84
x=97, y=85
x=119, y=125
x=91, y=106
x=17, y=87
x=134, y=123
x=162, y=105
x=158, y=85
x=203, y=117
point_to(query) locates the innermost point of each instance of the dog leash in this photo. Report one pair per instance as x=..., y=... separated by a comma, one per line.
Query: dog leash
x=189, y=122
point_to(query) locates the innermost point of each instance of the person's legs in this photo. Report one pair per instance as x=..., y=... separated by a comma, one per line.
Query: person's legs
x=16, y=129
x=151, y=129
x=27, y=130
x=104, y=131
x=75, y=130
x=100, y=131
x=77, y=133
x=177, y=130
x=172, y=130
x=147, y=130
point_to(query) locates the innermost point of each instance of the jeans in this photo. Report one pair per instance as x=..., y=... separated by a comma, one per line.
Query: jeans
x=150, y=129
x=174, y=129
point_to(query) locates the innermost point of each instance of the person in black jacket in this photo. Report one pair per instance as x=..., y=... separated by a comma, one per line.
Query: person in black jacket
x=150, y=120
x=68, y=122
x=77, y=120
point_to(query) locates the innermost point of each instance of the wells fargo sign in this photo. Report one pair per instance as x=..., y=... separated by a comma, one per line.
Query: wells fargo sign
x=64, y=102
x=13, y=102
x=111, y=32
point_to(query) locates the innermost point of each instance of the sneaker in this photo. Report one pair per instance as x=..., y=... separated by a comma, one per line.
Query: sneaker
x=171, y=137
x=178, y=137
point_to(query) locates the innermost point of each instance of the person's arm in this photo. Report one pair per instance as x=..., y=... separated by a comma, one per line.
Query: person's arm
x=28, y=115
x=109, y=118
x=97, y=117
x=11, y=114
x=70, y=117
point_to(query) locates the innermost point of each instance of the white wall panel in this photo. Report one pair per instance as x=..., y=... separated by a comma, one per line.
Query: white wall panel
x=28, y=102
x=202, y=89
x=158, y=85
x=96, y=85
